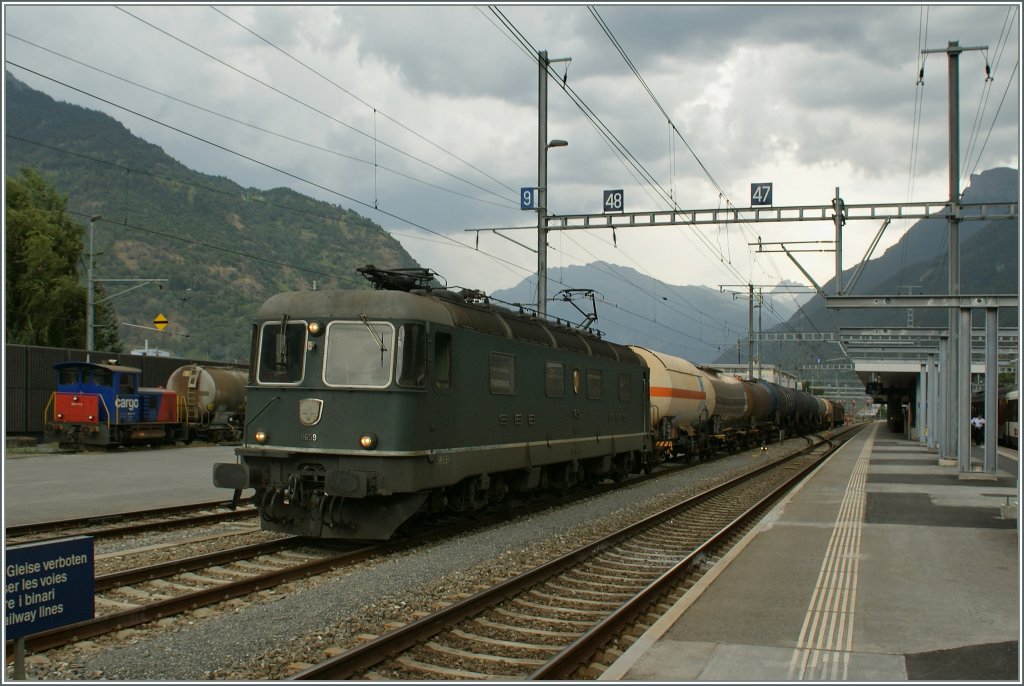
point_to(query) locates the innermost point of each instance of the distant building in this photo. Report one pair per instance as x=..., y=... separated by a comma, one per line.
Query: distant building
x=768, y=372
x=152, y=352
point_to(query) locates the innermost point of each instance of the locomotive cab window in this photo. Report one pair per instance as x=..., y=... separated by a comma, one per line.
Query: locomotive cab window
x=126, y=385
x=66, y=377
x=503, y=374
x=282, y=352
x=359, y=354
x=411, y=354
x=101, y=377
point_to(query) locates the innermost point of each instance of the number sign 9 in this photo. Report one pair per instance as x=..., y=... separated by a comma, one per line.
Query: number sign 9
x=527, y=198
x=760, y=194
x=614, y=201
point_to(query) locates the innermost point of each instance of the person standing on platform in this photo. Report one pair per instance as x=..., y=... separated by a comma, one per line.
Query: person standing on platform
x=978, y=429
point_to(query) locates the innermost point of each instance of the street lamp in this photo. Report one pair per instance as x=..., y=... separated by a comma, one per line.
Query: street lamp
x=89, y=314
x=543, y=62
x=542, y=228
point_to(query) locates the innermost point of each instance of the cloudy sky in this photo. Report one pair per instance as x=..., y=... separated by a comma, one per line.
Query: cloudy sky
x=424, y=118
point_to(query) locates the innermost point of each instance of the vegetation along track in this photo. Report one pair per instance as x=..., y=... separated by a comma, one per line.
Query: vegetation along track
x=562, y=619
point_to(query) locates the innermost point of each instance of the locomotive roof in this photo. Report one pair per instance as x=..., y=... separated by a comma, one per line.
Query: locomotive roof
x=97, y=365
x=440, y=306
x=351, y=304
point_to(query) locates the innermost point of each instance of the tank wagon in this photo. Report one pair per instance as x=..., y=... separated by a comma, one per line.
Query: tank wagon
x=367, y=407
x=211, y=400
x=698, y=411
x=104, y=406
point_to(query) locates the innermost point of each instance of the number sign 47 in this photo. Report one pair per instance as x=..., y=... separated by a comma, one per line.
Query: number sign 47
x=760, y=194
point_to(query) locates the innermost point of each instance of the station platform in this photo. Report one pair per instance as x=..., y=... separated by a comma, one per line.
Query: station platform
x=883, y=566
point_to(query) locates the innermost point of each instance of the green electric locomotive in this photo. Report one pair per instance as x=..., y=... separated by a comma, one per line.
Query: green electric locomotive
x=365, y=407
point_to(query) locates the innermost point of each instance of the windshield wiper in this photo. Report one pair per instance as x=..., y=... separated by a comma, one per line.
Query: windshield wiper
x=376, y=339
x=282, y=345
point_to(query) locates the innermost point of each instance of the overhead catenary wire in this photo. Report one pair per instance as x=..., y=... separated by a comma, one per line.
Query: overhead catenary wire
x=611, y=139
x=375, y=109
x=253, y=160
x=313, y=146
x=302, y=103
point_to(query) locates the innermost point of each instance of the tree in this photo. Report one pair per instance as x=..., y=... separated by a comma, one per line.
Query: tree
x=45, y=300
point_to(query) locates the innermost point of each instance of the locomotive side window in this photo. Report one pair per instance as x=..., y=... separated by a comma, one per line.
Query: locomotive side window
x=625, y=382
x=282, y=352
x=554, y=379
x=126, y=385
x=503, y=374
x=412, y=355
x=101, y=377
x=442, y=360
x=594, y=378
x=359, y=354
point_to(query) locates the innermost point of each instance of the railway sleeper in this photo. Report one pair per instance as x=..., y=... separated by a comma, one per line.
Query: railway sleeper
x=505, y=644
x=482, y=657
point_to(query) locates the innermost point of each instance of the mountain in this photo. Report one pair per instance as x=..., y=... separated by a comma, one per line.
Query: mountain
x=222, y=249
x=694, y=322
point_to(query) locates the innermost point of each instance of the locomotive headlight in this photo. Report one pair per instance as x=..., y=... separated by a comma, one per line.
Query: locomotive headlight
x=261, y=436
x=60, y=415
x=315, y=328
x=368, y=441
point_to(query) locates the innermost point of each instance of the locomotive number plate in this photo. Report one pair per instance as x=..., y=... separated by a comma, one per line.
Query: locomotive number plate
x=309, y=437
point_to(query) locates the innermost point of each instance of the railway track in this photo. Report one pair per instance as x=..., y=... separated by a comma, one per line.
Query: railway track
x=562, y=619
x=135, y=596
x=121, y=524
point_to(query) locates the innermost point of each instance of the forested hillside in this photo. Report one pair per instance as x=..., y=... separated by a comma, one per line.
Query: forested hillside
x=222, y=248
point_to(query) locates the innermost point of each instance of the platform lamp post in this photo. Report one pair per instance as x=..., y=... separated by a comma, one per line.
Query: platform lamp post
x=89, y=314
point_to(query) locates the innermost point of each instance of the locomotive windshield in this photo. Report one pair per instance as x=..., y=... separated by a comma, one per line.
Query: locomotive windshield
x=358, y=354
x=282, y=352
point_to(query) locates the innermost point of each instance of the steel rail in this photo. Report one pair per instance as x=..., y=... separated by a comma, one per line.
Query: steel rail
x=53, y=638
x=98, y=520
x=105, y=582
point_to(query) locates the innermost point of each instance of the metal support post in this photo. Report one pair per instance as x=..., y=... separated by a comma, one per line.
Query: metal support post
x=542, y=184
x=839, y=219
x=750, y=334
x=947, y=443
x=991, y=414
x=957, y=342
x=963, y=395
x=921, y=397
x=933, y=398
x=90, y=314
